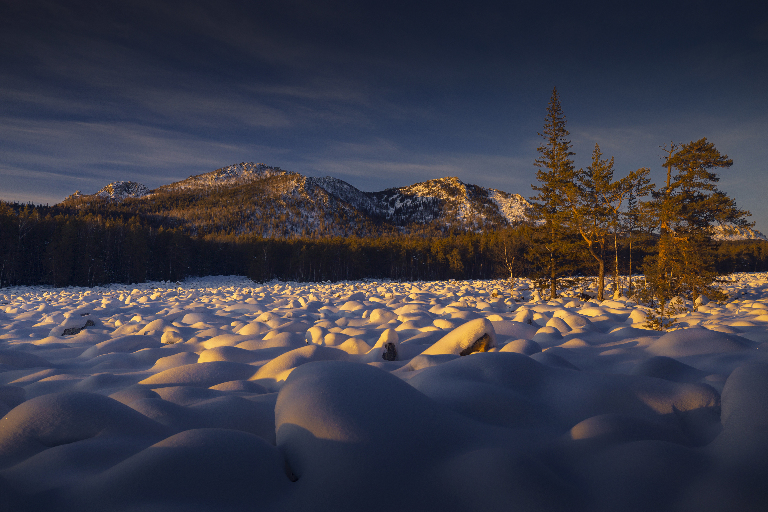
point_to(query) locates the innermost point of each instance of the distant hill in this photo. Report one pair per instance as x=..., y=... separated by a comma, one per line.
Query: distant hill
x=250, y=198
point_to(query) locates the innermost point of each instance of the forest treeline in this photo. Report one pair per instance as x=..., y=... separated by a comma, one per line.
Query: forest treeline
x=55, y=246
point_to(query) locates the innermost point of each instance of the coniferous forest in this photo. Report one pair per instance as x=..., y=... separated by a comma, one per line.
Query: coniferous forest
x=55, y=246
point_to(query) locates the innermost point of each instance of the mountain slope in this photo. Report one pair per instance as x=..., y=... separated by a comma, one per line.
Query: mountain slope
x=232, y=175
x=732, y=233
x=459, y=204
x=263, y=200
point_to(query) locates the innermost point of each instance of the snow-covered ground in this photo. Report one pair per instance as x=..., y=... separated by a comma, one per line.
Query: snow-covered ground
x=222, y=394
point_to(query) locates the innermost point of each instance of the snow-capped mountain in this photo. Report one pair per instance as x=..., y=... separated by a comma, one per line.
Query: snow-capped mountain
x=266, y=200
x=422, y=203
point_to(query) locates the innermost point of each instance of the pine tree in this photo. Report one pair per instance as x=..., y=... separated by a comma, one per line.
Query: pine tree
x=590, y=217
x=596, y=200
x=555, y=175
x=696, y=202
x=686, y=209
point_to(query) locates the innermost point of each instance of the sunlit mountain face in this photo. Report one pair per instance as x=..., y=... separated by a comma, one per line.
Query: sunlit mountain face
x=256, y=198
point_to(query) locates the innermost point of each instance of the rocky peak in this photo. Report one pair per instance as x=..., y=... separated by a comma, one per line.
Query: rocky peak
x=450, y=188
x=119, y=190
x=227, y=176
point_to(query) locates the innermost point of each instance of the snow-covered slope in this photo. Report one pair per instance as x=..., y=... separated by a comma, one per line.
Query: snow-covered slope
x=732, y=233
x=312, y=205
x=120, y=190
x=347, y=193
x=512, y=206
x=450, y=199
x=232, y=175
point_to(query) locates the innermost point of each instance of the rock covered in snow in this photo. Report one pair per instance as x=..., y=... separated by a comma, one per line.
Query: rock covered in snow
x=474, y=336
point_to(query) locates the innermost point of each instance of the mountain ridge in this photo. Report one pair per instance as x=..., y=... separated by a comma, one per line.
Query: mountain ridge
x=255, y=198
x=307, y=205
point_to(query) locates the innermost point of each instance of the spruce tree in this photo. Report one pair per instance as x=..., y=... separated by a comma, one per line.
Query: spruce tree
x=550, y=206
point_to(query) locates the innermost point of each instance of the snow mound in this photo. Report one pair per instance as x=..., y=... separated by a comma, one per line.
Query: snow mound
x=56, y=420
x=378, y=396
x=206, y=469
x=202, y=374
x=697, y=341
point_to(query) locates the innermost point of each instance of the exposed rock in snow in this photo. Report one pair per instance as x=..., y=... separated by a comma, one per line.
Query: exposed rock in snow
x=71, y=331
x=120, y=190
x=732, y=233
x=227, y=176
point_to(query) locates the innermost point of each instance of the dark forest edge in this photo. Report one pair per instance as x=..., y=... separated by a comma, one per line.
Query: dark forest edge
x=50, y=246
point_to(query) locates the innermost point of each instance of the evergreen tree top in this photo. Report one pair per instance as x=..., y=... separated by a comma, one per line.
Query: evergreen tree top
x=693, y=162
x=692, y=198
x=556, y=150
x=555, y=165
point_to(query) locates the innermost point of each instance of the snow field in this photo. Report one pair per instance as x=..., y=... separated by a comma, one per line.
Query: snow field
x=222, y=394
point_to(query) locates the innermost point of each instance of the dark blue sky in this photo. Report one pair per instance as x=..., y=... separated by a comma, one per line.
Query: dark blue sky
x=379, y=94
